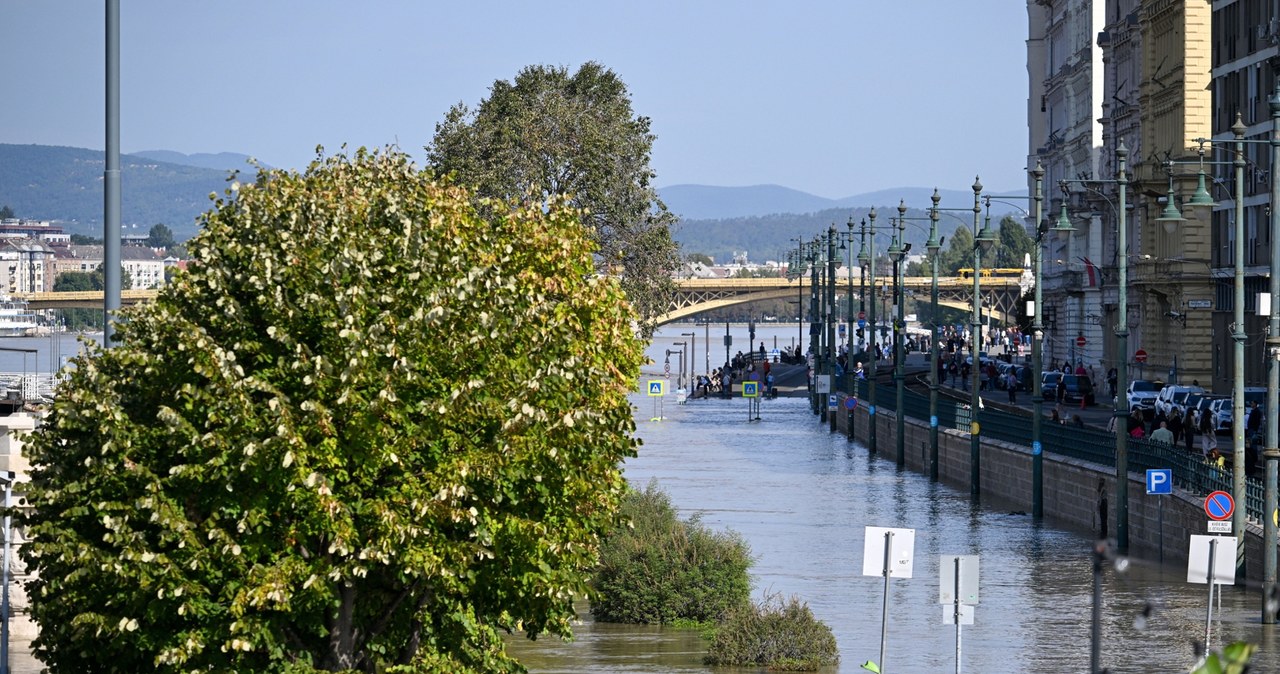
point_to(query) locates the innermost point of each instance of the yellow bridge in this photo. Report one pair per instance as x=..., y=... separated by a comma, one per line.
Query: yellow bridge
x=694, y=296
x=81, y=299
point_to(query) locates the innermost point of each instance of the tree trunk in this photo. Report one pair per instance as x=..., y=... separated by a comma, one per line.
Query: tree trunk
x=342, y=632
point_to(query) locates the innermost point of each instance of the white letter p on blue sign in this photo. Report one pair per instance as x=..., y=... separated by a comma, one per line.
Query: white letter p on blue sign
x=1160, y=481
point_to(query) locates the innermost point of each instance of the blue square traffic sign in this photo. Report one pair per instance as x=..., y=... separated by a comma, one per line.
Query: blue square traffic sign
x=1160, y=481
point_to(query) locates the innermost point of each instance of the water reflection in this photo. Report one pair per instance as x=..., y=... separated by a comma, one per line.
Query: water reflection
x=801, y=497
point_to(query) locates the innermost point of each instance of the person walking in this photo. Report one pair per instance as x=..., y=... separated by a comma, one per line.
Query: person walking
x=1011, y=384
x=1208, y=436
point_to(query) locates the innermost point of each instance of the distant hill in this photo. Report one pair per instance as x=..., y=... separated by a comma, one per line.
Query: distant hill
x=65, y=183
x=705, y=202
x=222, y=161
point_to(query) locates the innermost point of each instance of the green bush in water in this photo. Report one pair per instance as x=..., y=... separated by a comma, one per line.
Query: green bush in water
x=780, y=635
x=658, y=569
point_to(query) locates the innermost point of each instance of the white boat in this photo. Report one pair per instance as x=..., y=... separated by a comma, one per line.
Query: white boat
x=16, y=320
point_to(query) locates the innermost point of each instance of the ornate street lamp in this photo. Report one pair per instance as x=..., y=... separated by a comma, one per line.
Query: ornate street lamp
x=870, y=250
x=934, y=246
x=982, y=243
x=897, y=253
x=1271, y=453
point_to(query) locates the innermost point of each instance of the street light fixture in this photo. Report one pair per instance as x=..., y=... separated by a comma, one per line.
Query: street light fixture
x=5, y=610
x=982, y=243
x=897, y=252
x=693, y=354
x=868, y=257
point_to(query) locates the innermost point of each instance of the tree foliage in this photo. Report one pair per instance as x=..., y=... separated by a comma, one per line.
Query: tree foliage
x=72, y=281
x=6, y=213
x=549, y=132
x=958, y=254
x=1014, y=245
x=368, y=430
x=160, y=236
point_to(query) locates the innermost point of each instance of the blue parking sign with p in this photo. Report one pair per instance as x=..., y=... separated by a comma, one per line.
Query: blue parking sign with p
x=1160, y=481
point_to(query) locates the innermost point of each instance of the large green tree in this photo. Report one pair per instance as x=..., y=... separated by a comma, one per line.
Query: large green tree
x=160, y=236
x=552, y=132
x=1014, y=245
x=368, y=430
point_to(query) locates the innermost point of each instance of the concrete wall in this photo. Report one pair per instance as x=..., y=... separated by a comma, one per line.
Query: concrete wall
x=1072, y=488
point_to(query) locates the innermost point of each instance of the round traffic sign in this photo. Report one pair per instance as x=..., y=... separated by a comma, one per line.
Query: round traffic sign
x=1219, y=505
x=850, y=403
x=862, y=315
x=1140, y=356
x=1080, y=341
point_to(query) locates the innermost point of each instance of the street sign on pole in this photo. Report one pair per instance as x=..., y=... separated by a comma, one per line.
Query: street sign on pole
x=887, y=552
x=961, y=579
x=655, y=387
x=1160, y=481
x=1219, y=505
x=1080, y=341
x=1140, y=356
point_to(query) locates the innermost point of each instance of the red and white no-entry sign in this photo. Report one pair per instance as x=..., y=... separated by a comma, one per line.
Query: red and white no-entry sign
x=1080, y=341
x=1140, y=356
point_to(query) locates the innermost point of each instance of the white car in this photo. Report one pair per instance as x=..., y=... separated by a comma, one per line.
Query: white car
x=1221, y=414
x=1173, y=396
x=1142, y=395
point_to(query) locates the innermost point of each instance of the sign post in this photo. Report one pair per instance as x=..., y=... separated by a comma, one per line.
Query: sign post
x=1140, y=356
x=656, y=391
x=1220, y=570
x=751, y=391
x=1160, y=484
x=958, y=586
x=887, y=552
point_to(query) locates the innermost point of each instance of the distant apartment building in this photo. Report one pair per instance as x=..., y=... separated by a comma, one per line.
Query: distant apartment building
x=43, y=230
x=144, y=265
x=24, y=266
x=1245, y=55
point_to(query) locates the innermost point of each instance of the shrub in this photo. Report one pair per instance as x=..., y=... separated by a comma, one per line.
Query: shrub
x=659, y=569
x=780, y=635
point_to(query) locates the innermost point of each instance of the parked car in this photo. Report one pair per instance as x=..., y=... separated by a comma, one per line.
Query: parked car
x=1221, y=414
x=1188, y=405
x=1171, y=395
x=1203, y=406
x=1077, y=388
x=1049, y=385
x=1142, y=395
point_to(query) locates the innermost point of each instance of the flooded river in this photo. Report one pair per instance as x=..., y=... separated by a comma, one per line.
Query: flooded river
x=801, y=497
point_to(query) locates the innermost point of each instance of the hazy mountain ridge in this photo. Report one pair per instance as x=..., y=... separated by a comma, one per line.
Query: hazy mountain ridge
x=65, y=183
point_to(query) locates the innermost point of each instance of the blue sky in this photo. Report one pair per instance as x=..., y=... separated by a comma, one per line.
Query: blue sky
x=831, y=97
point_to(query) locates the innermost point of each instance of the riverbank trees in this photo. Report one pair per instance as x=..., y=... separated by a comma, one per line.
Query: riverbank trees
x=368, y=430
x=549, y=131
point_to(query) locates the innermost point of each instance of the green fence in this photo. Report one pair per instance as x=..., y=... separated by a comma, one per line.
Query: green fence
x=1190, y=471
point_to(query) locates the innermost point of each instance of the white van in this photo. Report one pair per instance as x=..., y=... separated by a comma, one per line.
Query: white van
x=1173, y=396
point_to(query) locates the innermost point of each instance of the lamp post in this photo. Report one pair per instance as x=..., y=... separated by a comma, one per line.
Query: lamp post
x=1037, y=362
x=853, y=384
x=1238, y=518
x=1120, y=410
x=897, y=252
x=934, y=246
x=830, y=317
x=814, y=341
x=982, y=242
x=1271, y=453
x=5, y=612
x=693, y=354
x=870, y=250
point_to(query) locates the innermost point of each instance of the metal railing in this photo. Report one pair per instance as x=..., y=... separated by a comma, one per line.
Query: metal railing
x=1190, y=471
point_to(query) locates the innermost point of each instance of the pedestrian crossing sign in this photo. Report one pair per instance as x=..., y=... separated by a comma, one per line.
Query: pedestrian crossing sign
x=750, y=389
x=655, y=388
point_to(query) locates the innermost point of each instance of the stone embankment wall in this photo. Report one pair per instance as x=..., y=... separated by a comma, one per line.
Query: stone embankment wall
x=1072, y=488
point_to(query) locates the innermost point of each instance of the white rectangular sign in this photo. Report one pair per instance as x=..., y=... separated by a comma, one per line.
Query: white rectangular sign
x=968, y=579
x=949, y=615
x=903, y=543
x=822, y=383
x=1220, y=527
x=1224, y=560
